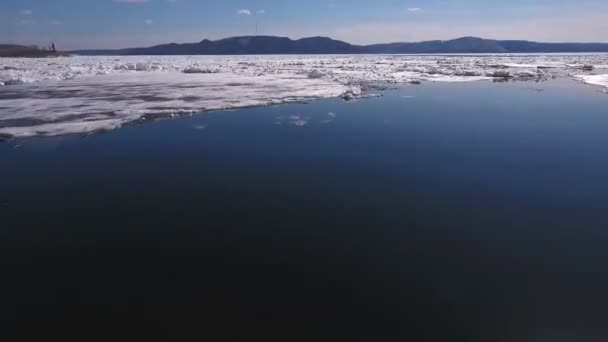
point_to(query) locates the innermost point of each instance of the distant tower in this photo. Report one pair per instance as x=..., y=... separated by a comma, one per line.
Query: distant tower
x=53, y=47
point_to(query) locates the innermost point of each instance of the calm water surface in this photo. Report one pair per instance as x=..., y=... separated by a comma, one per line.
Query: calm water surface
x=440, y=212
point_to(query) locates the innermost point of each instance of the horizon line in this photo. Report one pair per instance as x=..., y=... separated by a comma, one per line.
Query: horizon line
x=344, y=41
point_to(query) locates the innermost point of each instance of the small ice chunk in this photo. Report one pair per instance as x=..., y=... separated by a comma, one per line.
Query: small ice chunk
x=526, y=74
x=142, y=67
x=468, y=73
x=198, y=70
x=501, y=74
x=587, y=67
x=14, y=81
x=351, y=93
x=296, y=120
x=292, y=120
x=316, y=74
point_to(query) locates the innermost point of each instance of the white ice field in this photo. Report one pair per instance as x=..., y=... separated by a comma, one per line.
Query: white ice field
x=54, y=96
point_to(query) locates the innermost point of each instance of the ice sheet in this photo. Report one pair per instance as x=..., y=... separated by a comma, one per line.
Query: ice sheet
x=105, y=102
x=53, y=96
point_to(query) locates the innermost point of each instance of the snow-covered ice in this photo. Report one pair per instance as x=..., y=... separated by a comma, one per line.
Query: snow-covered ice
x=53, y=96
x=600, y=80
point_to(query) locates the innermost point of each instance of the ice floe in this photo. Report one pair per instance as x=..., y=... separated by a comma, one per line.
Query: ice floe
x=600, y=80
x=85, y=94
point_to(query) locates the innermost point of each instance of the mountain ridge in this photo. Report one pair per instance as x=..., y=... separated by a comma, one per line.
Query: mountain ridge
x=269, y=45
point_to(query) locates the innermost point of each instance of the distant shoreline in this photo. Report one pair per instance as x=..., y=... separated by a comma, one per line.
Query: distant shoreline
x=18, y=51
x=271, y=45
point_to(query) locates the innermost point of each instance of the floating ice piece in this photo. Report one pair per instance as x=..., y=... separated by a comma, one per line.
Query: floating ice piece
x=352, y=93
x=468, y=73
x=197, y=70
x=600, y=80
x=292, y=120
x=54, y=129
x=521, y=65
x=316, y=74
x=526, y=74
x=501, y=74
x=452, y=79
x=14, y=81
x=142, y=67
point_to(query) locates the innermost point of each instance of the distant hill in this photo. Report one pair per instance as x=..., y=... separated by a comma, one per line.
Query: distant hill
x=263, y=45
x=479, y=45
x=248, y=45
x=460, y=45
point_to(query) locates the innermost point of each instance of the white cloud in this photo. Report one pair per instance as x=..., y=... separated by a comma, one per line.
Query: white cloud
x=243, y=11
x=56, y=22
x=262, y=11
x=26, y=22
x=27, y=12
x=148, y=21
x=414, y=9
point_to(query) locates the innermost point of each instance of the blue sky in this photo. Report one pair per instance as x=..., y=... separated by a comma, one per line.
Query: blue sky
x=76, y=24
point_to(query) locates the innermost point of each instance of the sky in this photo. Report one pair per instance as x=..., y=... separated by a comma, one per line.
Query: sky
x=81, y=24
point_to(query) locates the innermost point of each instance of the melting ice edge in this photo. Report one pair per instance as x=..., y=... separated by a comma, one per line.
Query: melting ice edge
x=55, y=96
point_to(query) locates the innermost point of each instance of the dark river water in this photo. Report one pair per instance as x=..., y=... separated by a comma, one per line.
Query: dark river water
x=440, y=212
